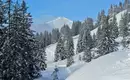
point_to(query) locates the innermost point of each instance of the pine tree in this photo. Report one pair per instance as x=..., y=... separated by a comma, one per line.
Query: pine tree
x=110, y=11
x=55, y=35
x=65, y=32
x=41, y=56
x=80, y=42
x=126, y=4
x=87, y=40
x=75, y=28
x=114, y=28
x=70, y=61
x=107, y=43
x=3, y=34
x=98, y=20
x=87, y=55
x=19, y=49
x=60, y=51
x=124, y=25
x=69, y=51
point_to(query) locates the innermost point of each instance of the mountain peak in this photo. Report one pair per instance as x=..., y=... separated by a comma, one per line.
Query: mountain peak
x=59, y=22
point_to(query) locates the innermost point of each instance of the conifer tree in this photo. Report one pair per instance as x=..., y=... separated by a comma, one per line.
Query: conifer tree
x=60, y=51
x=19, y=49
x=87, y=40
x=107, y=43
x=124, y=25
x=70, y=52
x=87, y=55
x=114, y=28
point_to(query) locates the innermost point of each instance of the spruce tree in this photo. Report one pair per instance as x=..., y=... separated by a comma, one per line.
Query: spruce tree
x=60, y=51
x=107, y=43
x=3, y=34
x=87, y=55
x=87, y=40
x=80, y=42
x=19, y=49
x=124, y=25
x=70, y=52
x=75, y=28
x=114, y=28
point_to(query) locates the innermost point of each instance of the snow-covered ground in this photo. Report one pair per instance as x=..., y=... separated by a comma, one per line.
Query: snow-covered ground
x=114, y=66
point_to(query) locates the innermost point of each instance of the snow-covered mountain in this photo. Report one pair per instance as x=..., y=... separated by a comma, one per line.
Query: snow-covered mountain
x=59, y=22
x=49, y=25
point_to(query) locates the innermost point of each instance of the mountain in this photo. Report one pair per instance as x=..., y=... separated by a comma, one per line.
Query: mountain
x=49, y=25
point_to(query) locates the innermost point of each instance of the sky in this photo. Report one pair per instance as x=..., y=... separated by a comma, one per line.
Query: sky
x=44, y=10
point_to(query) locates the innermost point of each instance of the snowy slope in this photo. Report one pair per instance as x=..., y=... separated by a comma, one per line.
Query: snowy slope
x=114, y=66
x=94, y=31
x=118, y=16
x=50, y=50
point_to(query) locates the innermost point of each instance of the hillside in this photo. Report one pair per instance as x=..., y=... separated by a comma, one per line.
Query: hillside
x=114, y=66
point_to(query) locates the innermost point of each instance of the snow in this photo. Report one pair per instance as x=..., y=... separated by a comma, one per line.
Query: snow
x=94, y=31
x=114, y=66
x=50, y=50
x=59, y=22
x=118, y=16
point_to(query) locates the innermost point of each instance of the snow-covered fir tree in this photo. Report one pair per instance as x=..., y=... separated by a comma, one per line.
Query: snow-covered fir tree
x=79, y=44
x=107, y=43
x=87, y=45
x=65, y=32
x=114, y=28
x=87, y=57
x=55, y=35
x=97, y=24
x=124, y=25
x=60, y=51
x=75, y=28
x=19, y=61
x=3, y=34
x=69, y=51
x=88, y=24
x=87, y=40
x=41, y=56
x=94, y=40
x=126, y=4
